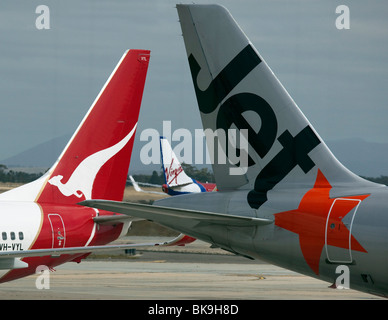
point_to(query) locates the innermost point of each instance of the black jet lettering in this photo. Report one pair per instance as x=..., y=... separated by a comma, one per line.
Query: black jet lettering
x=295, y=152
x=231, y=111
x=295, y=149
x=236, y=70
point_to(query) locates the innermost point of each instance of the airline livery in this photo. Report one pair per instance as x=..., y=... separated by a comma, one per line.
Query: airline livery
x=295, y=205
x=41, y=223
x=176, y=181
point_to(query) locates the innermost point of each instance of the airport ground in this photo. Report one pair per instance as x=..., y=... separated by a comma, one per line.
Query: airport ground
x=182, y=273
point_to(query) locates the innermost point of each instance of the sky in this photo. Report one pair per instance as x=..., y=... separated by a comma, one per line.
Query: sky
x=49, y=78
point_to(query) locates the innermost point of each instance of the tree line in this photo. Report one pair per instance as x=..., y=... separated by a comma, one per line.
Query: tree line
x=381, y=179
x=203, y=175
x=17, y=176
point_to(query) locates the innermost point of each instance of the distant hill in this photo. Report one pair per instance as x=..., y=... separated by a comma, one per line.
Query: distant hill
x=363, y=158
x=368, y=159
x=42, y=156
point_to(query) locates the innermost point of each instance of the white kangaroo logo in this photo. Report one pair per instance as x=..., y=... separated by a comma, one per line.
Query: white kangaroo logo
x=82, y=179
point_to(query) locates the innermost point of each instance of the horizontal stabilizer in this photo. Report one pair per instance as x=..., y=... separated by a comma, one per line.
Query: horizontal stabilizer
x=138, y=189
x=164, y=214
x=114, y=219
x=180, y=240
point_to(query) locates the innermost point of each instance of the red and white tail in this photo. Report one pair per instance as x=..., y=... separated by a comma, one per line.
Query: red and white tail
x=174, y=175
x=95, y=162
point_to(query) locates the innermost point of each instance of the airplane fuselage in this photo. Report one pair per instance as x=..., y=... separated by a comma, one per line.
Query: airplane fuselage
x=319, y=235
x=28, y=225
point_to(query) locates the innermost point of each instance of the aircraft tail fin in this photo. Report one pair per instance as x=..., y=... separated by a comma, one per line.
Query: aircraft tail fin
x=174, y=175
x=95, y=162
x=236, y=89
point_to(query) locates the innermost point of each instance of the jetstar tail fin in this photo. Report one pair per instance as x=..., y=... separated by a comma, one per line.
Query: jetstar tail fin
x=236, y=89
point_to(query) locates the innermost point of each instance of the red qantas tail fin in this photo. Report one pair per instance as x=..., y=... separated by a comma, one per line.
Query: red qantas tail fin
x=95, y=162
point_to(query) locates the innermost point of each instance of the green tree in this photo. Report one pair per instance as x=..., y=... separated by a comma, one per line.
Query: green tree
x=203, y=175
x=155, y=178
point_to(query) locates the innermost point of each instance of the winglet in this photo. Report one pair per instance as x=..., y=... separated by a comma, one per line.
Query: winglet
x=173, y=217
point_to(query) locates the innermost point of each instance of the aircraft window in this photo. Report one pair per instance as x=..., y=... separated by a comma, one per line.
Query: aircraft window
x=12, y=235
x=21, y=236
x=4, y=235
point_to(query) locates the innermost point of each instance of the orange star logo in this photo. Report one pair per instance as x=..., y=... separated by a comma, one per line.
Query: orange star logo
x=319, y=217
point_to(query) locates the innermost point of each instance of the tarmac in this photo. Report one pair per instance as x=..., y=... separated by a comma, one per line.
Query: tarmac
x=194, y=272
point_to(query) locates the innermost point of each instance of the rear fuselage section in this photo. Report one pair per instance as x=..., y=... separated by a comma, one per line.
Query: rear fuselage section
x=310, y=234
x=28, y=225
